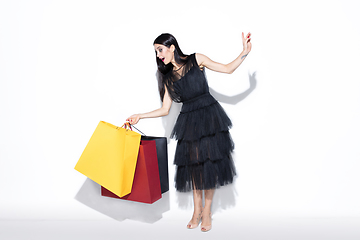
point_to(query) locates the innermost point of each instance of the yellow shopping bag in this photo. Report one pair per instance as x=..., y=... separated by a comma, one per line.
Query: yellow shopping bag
x=110, y=158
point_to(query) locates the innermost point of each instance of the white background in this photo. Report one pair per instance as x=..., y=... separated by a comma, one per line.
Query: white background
x=294, y=102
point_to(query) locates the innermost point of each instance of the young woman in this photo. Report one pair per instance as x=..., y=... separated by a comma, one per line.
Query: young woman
x=204, y=146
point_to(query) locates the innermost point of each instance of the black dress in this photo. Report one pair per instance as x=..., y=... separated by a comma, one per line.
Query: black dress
x=204, y=145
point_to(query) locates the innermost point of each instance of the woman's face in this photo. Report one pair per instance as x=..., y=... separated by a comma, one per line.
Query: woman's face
x=164, y=53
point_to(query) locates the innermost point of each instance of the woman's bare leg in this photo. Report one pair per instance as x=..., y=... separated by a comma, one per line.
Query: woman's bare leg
x=206, y=215
x=198, y=208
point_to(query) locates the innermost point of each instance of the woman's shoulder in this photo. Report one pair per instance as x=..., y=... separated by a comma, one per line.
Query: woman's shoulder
x=198, y=59
x=190, y=60
x=190, y=56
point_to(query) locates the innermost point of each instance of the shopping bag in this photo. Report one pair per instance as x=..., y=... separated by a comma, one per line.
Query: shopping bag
x=110, y=157
x=146, y=185
x=162, y=155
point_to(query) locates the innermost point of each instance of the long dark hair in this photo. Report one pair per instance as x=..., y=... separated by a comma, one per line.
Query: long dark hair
x=167, y=40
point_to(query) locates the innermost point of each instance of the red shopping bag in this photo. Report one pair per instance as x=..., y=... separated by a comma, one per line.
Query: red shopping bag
x=146, y=185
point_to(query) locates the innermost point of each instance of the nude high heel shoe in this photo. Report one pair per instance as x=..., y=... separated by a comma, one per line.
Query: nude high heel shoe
x=192, y=226
x=206, y=228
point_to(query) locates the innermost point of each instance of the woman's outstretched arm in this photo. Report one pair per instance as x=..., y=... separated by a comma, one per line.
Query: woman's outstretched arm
x=163, y=111
x=204, y=61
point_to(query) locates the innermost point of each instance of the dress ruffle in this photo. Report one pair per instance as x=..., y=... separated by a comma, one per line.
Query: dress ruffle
x=213, y=147
x=200, y=117
x=205, y=175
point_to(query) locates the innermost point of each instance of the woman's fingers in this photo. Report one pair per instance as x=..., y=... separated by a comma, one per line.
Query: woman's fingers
x=134, y=119
x=246, y=39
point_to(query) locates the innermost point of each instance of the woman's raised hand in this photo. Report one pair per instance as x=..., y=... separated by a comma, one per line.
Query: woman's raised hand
x=246, y=42
x=134, y=119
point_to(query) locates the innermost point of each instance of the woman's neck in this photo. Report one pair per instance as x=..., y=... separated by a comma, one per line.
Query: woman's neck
x=176, y=65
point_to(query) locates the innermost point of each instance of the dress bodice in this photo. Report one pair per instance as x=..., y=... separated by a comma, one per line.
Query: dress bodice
x=188, y=82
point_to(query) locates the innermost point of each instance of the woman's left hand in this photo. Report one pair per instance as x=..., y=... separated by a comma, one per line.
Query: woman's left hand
x=134, y=119
x=246, y=42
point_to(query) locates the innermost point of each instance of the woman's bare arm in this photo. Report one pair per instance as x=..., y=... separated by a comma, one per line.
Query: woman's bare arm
x=163, y=111
x=204, y=61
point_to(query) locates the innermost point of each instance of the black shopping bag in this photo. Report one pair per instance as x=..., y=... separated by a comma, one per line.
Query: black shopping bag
x=161, y=150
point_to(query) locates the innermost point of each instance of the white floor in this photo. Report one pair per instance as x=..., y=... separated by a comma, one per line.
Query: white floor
x=119, y=219
x=242, y=227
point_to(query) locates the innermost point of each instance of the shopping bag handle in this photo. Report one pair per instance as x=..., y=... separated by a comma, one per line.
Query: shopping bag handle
x=127, y=126
x=137, y=129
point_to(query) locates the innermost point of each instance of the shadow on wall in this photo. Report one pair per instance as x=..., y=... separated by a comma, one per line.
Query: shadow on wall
x=233, y=100
x=119, y=209
x=224, y=197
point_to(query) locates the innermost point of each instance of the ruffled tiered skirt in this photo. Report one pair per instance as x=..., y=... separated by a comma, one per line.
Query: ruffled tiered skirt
x=203, y=153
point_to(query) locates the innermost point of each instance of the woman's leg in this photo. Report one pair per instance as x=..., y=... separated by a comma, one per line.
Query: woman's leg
x=206, y=215
x=198, y=208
